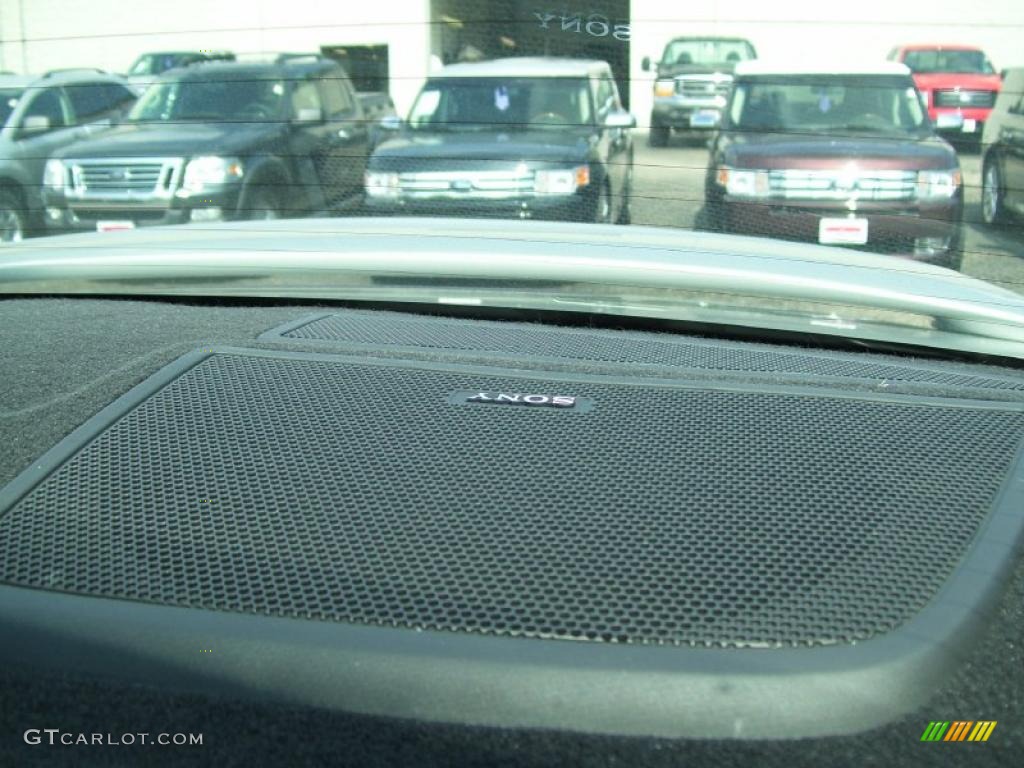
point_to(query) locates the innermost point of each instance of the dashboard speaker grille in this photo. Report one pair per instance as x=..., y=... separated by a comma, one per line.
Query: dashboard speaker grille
x=334, y=489
x=526, y=341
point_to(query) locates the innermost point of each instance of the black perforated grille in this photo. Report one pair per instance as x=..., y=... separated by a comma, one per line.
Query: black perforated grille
x=346, y=492
x=617, y=347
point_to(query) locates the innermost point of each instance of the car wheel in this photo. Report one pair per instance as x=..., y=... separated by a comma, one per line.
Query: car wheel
x=264, y=205
x=710, y=218
x=658, y=136
x=992, y=210
x=626, y=211
x=12, y=219
x=603, y=206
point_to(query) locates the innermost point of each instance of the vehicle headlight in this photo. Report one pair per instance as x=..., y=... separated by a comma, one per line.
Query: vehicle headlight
x=381, y=184
x=203, y=172
x=562, y=181
x=938, y=185
x=664, y=87
x=743, y=183
x=54, y=175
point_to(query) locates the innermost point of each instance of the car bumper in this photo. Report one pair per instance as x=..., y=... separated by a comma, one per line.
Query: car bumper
x=974, y=120
x=686, y=115
x=63, y=214
x=572, y=208
x=913, y=232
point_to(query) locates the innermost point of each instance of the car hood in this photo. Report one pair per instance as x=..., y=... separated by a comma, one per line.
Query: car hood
x=779, y=150
x=627, y=271
x=468, y=149
x=943, y=80
x=171, y=140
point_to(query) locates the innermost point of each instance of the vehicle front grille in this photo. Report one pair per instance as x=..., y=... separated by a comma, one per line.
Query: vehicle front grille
x=154, y=177
x=494, y=185
x=842, y=185
x=964, y=98
x=702, y=87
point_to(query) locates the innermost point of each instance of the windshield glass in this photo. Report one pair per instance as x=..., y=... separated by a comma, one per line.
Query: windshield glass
x=216, y=100
x=512, y=103
x=706, y=52
x=8, y=101
x=964, y=62
x=836, y=106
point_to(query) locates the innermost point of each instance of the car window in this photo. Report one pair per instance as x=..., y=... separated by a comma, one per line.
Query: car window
x=306, y=96
x=47, y=103
x=94, y=101
x=335, y=95
x=948, y=61
x=210, y=99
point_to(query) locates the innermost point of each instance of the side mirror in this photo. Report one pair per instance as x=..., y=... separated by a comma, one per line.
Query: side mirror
x=645, y=65
x=390, y=123
x=1003, y=73
x=35, y=124
x=949, y=122
x=620, y=119
x=309, y=115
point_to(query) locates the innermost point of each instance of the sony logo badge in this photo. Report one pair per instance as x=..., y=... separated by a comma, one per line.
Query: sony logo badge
x=505, y=398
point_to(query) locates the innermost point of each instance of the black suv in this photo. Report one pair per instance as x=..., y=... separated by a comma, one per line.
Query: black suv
x=521, y=138
x=40, y=115
x=1002, y=174
x=224, y=140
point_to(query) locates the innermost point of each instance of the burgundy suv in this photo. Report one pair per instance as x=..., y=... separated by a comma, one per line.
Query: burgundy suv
x=844, y=158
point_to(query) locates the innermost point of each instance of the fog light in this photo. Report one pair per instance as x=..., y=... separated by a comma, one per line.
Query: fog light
x=207, y=214
x=930, y=246
x=53, y=214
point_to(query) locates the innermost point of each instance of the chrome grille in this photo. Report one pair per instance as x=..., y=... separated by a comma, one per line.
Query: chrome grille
x=965, y=98
x=841, y=184
x=702, y=87
x=498, y=184
x=131, y=178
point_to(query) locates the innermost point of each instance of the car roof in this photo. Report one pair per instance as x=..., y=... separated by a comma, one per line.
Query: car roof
x=938, y=47
x=240, y=69
x=725, y=38
x=61, y=77
x=762, y=67
x=526, y=66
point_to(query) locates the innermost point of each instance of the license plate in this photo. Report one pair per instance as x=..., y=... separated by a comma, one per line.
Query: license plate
x=114, y=226
x=843, y=231
x=970, y=126
x=704, y=119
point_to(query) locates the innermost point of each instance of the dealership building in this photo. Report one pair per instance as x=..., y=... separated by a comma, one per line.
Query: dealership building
x=399, y=43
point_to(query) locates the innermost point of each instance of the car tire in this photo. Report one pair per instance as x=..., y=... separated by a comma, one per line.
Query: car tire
x=13, y=220
x=658, y=136
x=710, y=218
x=264, y=205
x=992, y=209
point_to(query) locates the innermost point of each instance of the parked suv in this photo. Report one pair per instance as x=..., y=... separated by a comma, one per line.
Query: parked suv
x=524, y=138
x=223, y=140
x=40, y=115
x=840, y=157
x=1002, y=164
x=959, y=85
x=694, y=77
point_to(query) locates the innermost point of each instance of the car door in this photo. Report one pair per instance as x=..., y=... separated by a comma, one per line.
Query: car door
x=348, y=132
x=1011, y=140
x=314, y=147
x=34, y=144
x=614, y=142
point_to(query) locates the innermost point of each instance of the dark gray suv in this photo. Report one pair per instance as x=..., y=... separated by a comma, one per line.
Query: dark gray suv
x=1002, y=174
x=39, y=115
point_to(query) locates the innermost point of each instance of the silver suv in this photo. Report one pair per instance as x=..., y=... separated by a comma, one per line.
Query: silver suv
x=39, y=115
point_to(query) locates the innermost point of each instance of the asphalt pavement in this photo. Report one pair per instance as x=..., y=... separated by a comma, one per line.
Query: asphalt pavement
x=669, y=192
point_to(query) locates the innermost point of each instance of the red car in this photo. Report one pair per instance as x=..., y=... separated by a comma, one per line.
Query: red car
x=958, y=82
